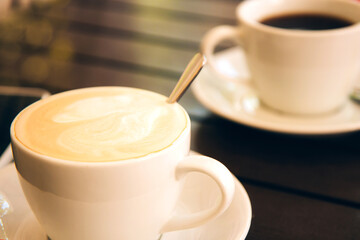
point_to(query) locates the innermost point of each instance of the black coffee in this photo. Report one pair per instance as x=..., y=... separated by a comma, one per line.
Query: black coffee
x=306, y=21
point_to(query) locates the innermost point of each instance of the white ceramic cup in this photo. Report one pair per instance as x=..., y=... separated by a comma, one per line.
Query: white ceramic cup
x=133, y=199
x=294, y=71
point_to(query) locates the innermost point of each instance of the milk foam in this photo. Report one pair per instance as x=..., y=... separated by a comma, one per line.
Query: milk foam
x=100, y=124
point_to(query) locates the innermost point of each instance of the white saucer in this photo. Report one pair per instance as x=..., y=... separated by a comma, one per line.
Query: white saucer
x=239, y=103
x=234, y=224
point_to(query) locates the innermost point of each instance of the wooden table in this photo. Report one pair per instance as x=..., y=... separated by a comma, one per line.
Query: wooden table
x=300, y=187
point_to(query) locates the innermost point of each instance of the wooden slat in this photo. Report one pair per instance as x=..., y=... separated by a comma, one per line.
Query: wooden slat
x=130, y=51
x=223, y=9
x=146, y=25
x=212, y=10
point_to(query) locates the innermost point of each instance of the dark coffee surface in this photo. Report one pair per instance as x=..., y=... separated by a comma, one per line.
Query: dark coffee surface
x=306, y=21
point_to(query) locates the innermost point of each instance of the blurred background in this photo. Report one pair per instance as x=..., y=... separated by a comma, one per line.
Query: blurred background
x=65, y=44
x=33, y=45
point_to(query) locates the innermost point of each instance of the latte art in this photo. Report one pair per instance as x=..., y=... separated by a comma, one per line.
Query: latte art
x=100, y=124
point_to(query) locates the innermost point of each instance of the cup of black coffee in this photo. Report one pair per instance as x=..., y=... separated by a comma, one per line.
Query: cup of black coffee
x=303, y=55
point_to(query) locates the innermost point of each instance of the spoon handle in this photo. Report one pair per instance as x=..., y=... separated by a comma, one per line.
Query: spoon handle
x=189, y=74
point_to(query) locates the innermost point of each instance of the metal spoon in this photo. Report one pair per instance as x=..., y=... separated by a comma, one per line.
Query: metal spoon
x=191, y=71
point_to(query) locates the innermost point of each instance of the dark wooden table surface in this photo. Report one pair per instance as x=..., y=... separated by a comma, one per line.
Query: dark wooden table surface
x=300, y=187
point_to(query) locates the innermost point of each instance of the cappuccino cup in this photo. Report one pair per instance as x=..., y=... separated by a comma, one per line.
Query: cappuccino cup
x=303, y=55
x=109, y=163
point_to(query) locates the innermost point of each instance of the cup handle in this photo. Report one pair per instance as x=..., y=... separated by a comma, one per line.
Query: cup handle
x=213, y=38
x=220, y=174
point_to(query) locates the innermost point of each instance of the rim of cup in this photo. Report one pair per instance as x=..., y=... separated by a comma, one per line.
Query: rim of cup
x=243, y=15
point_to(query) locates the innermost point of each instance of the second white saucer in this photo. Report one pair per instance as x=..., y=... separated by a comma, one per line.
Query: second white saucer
x=239, y=103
